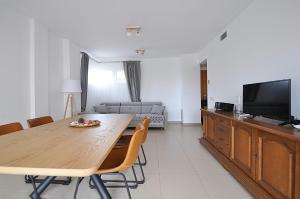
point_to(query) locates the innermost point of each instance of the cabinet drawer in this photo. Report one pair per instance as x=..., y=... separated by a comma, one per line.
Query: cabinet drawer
x=223, y=147
x=220, y=129
x=222, y=139
x=222, y=133
x=223, y=121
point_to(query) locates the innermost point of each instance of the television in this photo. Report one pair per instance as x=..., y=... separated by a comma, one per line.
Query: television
x=268, y=99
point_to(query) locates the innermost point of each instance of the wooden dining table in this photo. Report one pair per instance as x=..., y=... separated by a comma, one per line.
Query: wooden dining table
x=56, y=149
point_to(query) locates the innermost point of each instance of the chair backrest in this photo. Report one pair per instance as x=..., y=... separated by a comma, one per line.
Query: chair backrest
x=39, y=121
x=146, y=124
x=134, y=146
x=10, y=128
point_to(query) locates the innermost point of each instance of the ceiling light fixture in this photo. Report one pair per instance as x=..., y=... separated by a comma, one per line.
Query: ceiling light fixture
x=140, y=51
x=130, y=30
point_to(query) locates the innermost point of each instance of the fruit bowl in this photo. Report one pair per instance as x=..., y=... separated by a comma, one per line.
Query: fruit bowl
x=81, y=123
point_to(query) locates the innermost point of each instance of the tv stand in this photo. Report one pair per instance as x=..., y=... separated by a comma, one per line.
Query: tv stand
x=263, y=157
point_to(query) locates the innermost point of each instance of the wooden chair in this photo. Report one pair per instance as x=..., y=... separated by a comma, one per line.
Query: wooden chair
x=39, y=121
x=117, y=162
x=10, y=128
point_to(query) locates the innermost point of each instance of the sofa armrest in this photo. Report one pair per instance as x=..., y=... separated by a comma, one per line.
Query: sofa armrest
x=165, y=114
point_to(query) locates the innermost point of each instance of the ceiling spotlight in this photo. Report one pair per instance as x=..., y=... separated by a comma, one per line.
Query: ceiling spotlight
x=130, y=30
x=140, y=51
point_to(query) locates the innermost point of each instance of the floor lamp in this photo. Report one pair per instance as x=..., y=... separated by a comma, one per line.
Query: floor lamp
x=70, y=87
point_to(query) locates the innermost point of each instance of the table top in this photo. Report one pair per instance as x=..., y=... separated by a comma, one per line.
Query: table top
x=56, y=149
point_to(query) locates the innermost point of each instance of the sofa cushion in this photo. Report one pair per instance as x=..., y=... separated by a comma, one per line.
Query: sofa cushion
x=131, y=103
x=146, y=109
x=157, y=110
x=100, y=109
x=147, y=106
x=113, y=109
x=130, y=109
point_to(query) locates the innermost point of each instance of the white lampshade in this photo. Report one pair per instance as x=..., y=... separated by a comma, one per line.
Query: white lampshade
x=71, y=86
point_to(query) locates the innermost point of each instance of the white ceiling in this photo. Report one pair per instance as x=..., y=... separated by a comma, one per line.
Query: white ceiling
x=169, y=27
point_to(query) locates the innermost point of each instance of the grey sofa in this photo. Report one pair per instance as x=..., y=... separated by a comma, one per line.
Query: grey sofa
x=159, y=116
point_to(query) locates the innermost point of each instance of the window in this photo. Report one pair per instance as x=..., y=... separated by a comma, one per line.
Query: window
x=107, y=83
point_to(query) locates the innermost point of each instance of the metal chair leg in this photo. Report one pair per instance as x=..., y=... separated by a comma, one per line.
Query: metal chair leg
x=77, y=186
x=27, y=179
x=135, y=178
x=90, y=184
x=144, y=155
x=133, y=184
x=142, y=171
x=126, y=184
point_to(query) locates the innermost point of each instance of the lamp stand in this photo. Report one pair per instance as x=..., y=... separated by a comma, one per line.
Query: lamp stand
x=71, y=101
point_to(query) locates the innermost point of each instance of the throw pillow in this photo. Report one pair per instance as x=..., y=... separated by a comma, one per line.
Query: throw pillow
x=157, y=109
x=100, y=109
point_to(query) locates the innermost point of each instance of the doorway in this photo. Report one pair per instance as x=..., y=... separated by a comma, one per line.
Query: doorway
x=203, y=86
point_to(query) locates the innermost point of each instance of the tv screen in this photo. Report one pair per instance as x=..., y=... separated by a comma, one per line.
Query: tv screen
x=268, y=99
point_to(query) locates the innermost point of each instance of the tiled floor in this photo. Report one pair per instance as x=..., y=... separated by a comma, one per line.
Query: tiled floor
x=178, y=168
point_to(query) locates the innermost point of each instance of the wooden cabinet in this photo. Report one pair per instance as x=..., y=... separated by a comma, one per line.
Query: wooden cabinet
x=242, y=148
x=276, y=165
x=263, y=157
x=210, y=127
x=222, y=135
x=218, y=132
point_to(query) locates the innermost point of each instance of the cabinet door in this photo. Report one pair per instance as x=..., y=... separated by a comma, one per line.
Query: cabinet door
x=242, y=148
x=276, y=165
x=210, y=128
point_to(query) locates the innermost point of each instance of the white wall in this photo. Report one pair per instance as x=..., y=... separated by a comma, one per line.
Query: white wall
x=75, y=64
x=161, y=81
x=40, y=66
x=263, y=44
x=14, y=66
x=55, y=70
x=191, y=103
x=176, y=82
x=31, y=68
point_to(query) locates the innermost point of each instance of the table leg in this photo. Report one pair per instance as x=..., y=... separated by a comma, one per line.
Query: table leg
x=99, y=185
x=42, y=187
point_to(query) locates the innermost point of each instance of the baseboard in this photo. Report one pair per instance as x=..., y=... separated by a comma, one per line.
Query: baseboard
x=174, y=122
x=191, y=124
x=185, y=124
